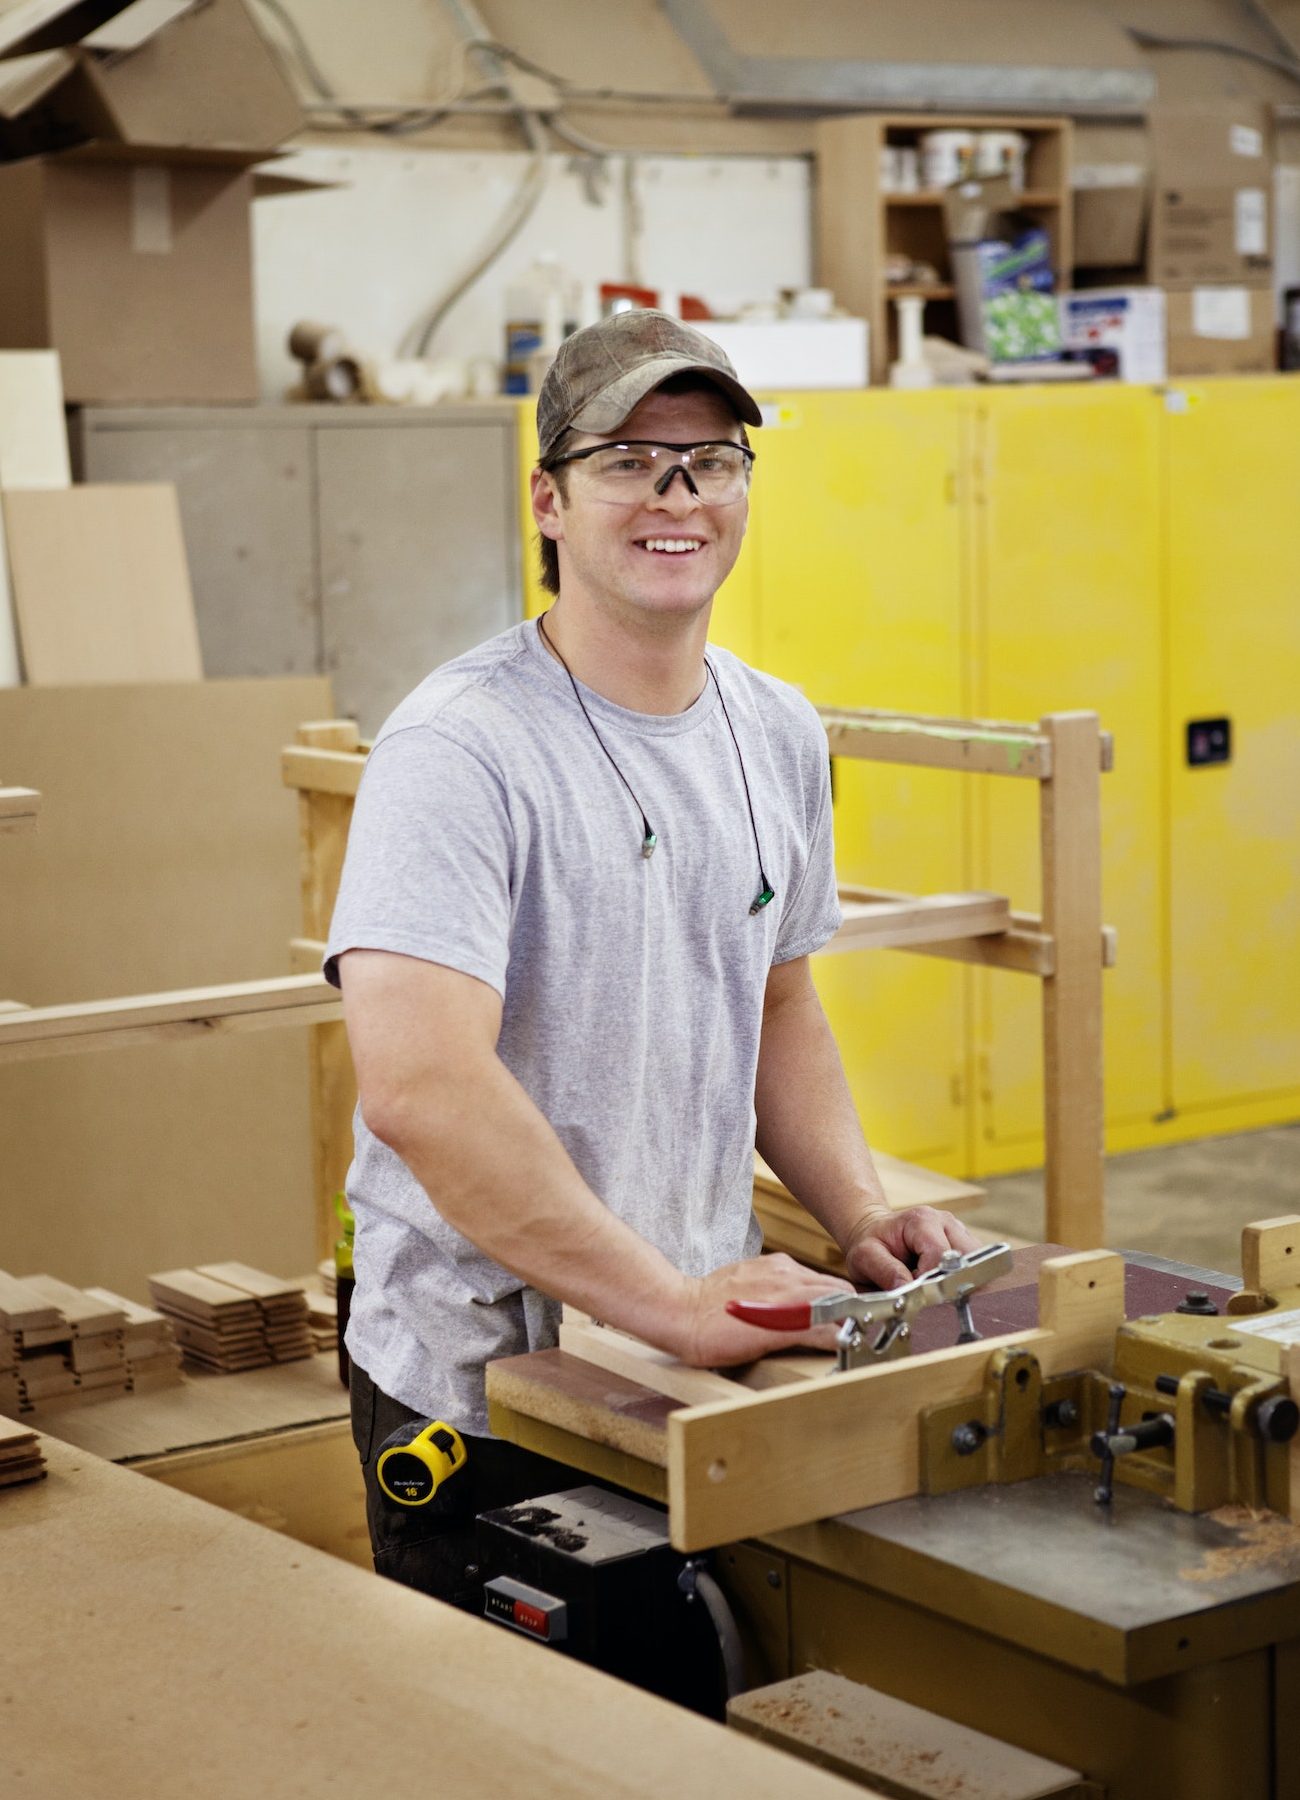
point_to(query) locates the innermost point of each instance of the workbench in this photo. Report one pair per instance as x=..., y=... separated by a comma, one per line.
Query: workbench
x=155, y=1644
x=273, y=1445
x=1156, y=1651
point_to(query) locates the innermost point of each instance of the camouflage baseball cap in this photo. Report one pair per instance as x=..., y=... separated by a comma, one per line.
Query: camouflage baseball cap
x=601, y=373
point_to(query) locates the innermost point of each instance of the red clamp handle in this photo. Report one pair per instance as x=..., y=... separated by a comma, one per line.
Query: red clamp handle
x=774, y=1318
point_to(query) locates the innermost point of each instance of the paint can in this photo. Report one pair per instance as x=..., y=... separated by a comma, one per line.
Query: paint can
x=946, y=157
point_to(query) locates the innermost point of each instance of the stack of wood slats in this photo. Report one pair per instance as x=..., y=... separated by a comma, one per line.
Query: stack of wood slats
x=97, y=1342
x=152, y=1357
x=228, y=1316
x=21, y=1458
x=40, y=1340
x=322, y=1311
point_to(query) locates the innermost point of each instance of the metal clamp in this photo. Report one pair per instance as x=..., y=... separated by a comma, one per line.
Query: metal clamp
x=952, y=1282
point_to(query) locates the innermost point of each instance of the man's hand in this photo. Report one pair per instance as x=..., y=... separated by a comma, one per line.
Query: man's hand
x=881, y=1252
x=712, y=1339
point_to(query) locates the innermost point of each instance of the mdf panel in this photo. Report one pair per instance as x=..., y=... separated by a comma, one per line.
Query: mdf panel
x=418, y=553
x=1068, y=553
x=247, y=513
x=165, y=856
x=859, y=539
x=1233, y=459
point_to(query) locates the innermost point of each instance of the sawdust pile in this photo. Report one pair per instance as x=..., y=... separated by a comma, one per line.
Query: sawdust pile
x=1266, y=1541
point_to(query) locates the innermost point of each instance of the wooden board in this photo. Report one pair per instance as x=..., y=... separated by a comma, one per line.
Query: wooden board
x=790, y=1227
x=207, y=1410
x=167, y=858
x=264, y=1655
x=858, y=1732
x=33, y=437
x=101, y=587
x=33, y=454
x=740, y=1468
x=18, y=806
x=295, y=1000
x=897, y=921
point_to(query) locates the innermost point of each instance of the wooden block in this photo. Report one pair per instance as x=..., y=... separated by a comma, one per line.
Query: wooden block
x=105, y=1350
x=894, y=1747
x=1270, y=1254
x=43, y=1337
x=253, y=1282
x=100, y=584
x=134, y=1313
x=23, y=1309
x=1082, y=1297
x=199, y=1294
x=637, y=1361
x=86, y=1315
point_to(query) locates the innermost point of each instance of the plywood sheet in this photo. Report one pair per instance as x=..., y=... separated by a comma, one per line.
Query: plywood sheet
x=263, y=1655
x=100, y=584
x=167, y=857
x=207, y=1409
x=33, y=454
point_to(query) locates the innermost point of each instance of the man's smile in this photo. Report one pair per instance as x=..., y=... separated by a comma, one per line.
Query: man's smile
x=670, y=546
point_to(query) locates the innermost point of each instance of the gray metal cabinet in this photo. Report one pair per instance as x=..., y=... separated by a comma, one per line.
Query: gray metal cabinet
x=370, y=544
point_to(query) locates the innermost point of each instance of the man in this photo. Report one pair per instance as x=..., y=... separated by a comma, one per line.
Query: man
x=587, y=868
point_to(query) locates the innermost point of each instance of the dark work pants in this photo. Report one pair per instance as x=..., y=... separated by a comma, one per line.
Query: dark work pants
x=432, y=1547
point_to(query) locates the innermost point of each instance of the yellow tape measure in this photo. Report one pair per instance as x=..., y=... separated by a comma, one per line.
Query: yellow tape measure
x=416, y=1460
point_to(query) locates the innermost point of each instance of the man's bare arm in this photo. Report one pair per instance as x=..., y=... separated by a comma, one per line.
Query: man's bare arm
x=432, y=1087
x=808, y=1132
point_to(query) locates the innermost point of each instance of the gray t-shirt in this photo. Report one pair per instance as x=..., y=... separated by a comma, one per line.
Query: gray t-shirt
x=492, y=835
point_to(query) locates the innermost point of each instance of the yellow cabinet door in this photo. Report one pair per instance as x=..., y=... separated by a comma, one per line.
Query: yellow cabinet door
x=1066, y=514
x=1233, y=453
x=857, y=541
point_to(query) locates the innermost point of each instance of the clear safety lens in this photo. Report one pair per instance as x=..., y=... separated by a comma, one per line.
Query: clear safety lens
x=719, y=472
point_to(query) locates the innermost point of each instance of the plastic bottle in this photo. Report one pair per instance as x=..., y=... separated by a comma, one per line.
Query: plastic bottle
x=344, y=1278
x=542, y=308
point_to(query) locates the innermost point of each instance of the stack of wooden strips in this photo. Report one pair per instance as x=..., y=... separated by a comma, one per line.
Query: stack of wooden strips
x=20, y=1455
x=228, y=1316
x=322, y=1309
x=97, y=1345
x=59, y=1346
x=327, y=1275
x=152, y=1358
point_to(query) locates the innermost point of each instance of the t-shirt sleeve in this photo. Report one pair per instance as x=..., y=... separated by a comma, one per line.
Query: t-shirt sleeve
x=429, y=857
x=812, y=915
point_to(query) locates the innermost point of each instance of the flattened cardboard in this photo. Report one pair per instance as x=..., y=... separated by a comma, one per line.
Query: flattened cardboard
x=100, y=583
x=1211, y=214
x=1196, y=318
x=138, y=272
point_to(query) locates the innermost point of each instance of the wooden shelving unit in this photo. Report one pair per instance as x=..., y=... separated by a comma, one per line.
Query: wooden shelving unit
x=860, y=224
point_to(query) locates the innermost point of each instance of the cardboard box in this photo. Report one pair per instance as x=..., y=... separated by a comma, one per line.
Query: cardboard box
x=159, y=74
x=207, y=80
x=1127, y=324
x=1222, y=331
x=1211, y=216
x=794, y=353
x=138, y=273
x=1111, y=181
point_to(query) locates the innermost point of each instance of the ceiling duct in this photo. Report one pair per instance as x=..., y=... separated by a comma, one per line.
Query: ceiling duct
x=903, y=82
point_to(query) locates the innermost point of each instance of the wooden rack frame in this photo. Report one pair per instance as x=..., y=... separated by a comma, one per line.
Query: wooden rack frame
x=1067, y=948
x=29, y=1032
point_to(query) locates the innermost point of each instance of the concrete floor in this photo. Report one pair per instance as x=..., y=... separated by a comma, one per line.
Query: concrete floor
x=1188, y=1202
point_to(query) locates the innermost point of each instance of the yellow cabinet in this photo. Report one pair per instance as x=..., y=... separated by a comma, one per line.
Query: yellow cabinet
x=1067, y=544
x=857, y=543
x=1233, y=456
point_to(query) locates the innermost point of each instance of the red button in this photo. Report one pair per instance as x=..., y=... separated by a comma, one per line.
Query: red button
x=532, y=1618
